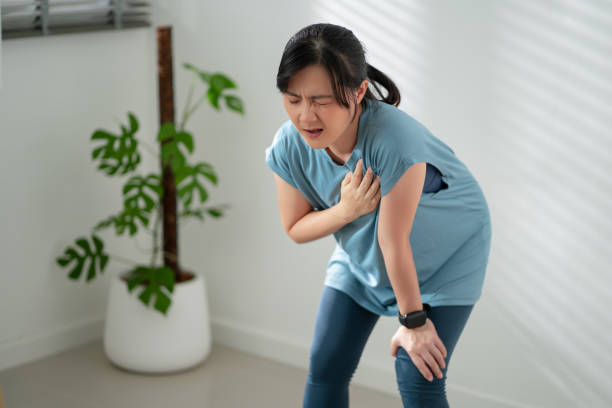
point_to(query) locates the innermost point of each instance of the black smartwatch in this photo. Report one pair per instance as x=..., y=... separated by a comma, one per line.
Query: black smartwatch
x=415, y=319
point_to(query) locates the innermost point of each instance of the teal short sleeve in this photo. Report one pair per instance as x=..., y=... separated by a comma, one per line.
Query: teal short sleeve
x=392, y=172
x=276, y=158
x=394, y=155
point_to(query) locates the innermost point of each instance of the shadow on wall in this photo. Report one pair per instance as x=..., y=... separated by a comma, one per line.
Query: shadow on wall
x=546, y=86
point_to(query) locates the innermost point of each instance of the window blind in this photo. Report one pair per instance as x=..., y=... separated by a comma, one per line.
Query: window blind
x=26, y=18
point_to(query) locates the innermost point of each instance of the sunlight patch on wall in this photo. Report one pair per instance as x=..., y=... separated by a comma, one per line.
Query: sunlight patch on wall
x=552, y=95
x=392, y=33
x=543, y=75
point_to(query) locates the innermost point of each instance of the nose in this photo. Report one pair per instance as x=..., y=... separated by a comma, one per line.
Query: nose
x=307, y=113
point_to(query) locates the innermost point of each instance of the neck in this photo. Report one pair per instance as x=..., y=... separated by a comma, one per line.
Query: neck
x=344, y=145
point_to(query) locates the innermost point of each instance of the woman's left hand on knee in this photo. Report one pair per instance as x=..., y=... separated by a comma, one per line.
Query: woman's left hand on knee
x=424, y=346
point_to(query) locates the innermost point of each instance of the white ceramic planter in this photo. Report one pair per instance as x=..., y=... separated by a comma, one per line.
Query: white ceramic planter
x=144, y=340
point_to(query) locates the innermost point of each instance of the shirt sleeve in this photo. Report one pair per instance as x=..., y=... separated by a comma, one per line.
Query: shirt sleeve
x=396, y=151
x=277, y=158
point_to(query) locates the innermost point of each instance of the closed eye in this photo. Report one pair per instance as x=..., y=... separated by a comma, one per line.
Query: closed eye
x=316, y=103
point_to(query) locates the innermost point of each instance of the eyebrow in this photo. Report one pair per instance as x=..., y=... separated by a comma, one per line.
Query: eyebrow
x=310, y=97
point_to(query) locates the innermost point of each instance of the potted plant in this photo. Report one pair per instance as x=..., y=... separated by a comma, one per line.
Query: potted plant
x=168, y=327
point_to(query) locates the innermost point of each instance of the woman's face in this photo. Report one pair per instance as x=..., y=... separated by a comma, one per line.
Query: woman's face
x=311, y=106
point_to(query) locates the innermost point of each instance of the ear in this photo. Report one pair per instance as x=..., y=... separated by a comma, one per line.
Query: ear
x=362, y=90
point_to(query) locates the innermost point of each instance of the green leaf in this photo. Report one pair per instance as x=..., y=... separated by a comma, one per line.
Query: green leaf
x=170, y=151
x=126, y=219
x=143, y=186
x=76, y=271
x=213, y=97
x=186, y=139
x=207, y=171
x=162, y=302
x=166, y=277
x=187, y=65
x=62, y=261
x=96, y=152
x=88, y=254
x=145, y=296
x=118, y=152
x=215, y=213
x=202, y=74
x=105, y=223
x=103, y=261
x=153, y=279
x=188, y=183
x=133, y=123
x=234, y=103
x=192, y=213
x=137, y=276
x=166, y=131
x=219, y=82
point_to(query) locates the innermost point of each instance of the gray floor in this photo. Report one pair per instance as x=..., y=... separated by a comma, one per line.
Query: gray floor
x=83, y=377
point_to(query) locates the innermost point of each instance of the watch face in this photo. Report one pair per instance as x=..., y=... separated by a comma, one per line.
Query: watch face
x=414, y=320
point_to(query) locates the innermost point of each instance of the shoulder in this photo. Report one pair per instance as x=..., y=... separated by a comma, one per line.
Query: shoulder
x=392, y=132
x=285, y=135
x=385, y=117
x=283, y=140
x=280, y=154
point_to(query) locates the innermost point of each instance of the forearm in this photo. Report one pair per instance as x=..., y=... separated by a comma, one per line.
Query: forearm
x=317, y=224
x=402, y=274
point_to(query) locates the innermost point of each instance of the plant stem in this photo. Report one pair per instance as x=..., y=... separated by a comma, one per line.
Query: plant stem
x=123, y=259
x=155, y=236
x=194, y=107
x=131, y=261
x=150, y=149
x=189, y=95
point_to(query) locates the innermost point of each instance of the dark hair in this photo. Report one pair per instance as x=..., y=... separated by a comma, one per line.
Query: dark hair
x=343, y=56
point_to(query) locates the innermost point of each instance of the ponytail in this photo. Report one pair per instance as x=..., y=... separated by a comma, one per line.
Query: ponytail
x=376, y=78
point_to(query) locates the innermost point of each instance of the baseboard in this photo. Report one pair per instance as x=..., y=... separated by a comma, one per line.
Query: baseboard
x=25, y=349
x=16, y=352
x=288, y=351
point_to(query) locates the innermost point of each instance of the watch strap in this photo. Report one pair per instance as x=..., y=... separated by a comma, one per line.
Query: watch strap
x=415, y=319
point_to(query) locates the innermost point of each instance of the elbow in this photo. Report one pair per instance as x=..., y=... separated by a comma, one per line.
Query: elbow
x=293, y=237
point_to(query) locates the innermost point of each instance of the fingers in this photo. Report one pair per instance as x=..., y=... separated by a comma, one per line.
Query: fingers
x=422, y=366
x=432, y=366
x=357, y=174
x=347, y=178
x=374, y=188
x=435, y=362
x=365, y=181
x=439, y=359
x=427, y=365
x=441, y=347
x=393, y=349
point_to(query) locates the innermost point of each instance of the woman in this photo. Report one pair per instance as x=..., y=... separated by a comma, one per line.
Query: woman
x=411, y=223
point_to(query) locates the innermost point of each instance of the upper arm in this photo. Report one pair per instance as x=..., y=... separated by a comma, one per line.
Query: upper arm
x=399, y=205
x=291, y=202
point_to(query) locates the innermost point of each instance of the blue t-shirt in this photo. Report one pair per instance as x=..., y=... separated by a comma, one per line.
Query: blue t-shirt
x=451, y=232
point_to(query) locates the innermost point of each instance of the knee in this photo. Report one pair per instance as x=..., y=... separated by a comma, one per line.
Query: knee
x=416, y=390
x=328, y=366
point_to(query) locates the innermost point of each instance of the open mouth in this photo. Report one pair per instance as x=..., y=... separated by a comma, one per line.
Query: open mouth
x=313, y=132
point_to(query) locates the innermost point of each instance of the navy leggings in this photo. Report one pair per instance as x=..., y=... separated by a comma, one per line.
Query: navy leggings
x=341, y=331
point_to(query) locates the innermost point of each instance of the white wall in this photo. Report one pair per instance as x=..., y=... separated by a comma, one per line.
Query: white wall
x=56, y=92
x=519, y=89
